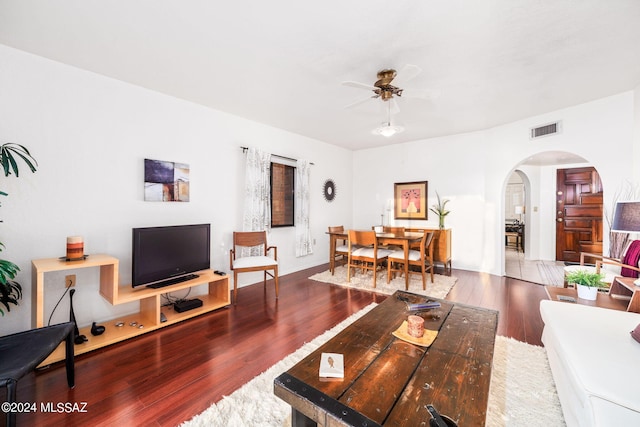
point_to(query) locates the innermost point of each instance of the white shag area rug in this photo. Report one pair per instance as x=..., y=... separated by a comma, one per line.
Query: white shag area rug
x=522, y=392
x=438, y=289
x=522, y=389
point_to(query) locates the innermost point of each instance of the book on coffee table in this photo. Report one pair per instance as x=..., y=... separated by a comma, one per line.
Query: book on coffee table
x=332, y=365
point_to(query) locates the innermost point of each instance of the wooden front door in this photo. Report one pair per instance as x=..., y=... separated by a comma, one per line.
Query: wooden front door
x=578, y=213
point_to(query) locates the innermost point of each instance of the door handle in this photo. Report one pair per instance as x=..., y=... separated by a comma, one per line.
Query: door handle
x=559, y=219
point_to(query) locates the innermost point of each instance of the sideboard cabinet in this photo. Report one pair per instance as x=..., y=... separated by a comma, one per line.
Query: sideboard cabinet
x=442, y=248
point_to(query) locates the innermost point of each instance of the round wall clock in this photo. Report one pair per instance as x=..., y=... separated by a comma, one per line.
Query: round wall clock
x=329, y=190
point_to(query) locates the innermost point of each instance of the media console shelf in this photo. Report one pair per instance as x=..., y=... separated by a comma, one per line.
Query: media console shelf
x=150, y=301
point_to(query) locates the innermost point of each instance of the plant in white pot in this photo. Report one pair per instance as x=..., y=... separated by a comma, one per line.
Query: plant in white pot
x=440, y=210
x=586, y=283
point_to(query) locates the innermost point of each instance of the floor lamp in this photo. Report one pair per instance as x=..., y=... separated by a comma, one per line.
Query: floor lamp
x=626, y=219
x=519, y=210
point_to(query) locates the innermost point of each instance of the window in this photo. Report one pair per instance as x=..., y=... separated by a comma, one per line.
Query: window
x=282, y=195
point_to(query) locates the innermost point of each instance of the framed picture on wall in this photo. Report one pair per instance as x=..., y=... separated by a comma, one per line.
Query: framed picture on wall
x=410, y=200
x=166, y=181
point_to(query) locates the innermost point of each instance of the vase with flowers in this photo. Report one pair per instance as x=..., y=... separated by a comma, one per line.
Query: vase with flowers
x=440, y=210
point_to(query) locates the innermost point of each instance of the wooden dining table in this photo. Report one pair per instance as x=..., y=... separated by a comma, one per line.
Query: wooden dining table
x=404, y=239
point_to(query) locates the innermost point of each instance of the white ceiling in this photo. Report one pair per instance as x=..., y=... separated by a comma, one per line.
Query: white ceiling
x=281, y=62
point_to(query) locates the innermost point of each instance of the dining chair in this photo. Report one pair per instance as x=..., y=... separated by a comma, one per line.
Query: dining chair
x=367, y=256
x=394, y=230
x=260, y=261
x=388, y=229
x=422, y=258
x=416, y=245
x=341, y=250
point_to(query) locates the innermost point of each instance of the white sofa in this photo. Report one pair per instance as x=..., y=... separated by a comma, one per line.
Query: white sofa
x=595, y=363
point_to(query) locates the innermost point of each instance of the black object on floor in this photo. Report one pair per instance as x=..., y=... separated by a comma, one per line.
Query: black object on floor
x=22, y=352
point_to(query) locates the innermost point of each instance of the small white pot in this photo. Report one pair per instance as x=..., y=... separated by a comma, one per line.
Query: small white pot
x=587, y=292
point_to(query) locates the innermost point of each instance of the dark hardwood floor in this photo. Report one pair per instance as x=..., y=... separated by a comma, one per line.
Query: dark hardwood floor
x=166, y=377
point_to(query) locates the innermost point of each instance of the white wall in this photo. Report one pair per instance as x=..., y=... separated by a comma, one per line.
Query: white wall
x=472, y=170
x=90, y=135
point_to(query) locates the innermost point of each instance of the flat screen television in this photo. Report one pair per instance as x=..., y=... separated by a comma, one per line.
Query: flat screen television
x=166, y=255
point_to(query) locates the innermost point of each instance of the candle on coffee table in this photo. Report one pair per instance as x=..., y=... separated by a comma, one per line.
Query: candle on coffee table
x=415, y=326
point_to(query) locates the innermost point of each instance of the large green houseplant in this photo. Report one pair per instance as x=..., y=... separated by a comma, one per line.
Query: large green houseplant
x=10, y=290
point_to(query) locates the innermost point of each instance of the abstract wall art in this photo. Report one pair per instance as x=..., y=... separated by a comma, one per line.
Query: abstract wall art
x=166, y=181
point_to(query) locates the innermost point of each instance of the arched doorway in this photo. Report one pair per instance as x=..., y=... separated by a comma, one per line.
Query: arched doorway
x=537, y=174
x=515, y=210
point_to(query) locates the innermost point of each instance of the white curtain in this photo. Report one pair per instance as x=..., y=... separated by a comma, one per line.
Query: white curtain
x=304, y=245
x=257, y=196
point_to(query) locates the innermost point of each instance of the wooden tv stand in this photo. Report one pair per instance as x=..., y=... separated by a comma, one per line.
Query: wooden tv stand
x=150, y=301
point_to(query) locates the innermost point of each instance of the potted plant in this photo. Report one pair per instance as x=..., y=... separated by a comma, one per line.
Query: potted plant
x=439, y=209
x=10, y=290
x=586, y=283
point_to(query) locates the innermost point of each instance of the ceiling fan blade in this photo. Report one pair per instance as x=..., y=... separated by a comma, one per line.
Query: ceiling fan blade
x=407, y=73
x=359, y=85
x=421, y=93
x=361, y=101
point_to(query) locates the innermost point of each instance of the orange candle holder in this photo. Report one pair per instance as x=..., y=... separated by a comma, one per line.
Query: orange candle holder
x=75, y=247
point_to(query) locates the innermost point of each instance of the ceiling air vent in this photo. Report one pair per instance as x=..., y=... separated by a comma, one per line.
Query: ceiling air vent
x=546, y=130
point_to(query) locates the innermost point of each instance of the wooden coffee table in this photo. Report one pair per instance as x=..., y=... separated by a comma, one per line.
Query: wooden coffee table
x=388, y=381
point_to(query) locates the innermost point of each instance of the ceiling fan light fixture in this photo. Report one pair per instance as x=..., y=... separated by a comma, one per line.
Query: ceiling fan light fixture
x=388, y=130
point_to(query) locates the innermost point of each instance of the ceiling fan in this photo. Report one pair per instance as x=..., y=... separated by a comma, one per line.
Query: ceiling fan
x=383, y=87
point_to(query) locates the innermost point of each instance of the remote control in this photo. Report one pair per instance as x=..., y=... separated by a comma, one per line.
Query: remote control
x=566, y=298
x=423, y=306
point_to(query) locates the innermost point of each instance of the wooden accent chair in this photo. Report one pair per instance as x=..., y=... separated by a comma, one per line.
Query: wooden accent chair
x=422, y=258
x=260, y=262
x=609, y=267
x=364, y=252
x=22, y=352
x=341, y=251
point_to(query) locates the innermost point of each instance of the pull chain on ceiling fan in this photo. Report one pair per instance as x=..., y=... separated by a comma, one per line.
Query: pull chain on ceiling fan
x=387, y=129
